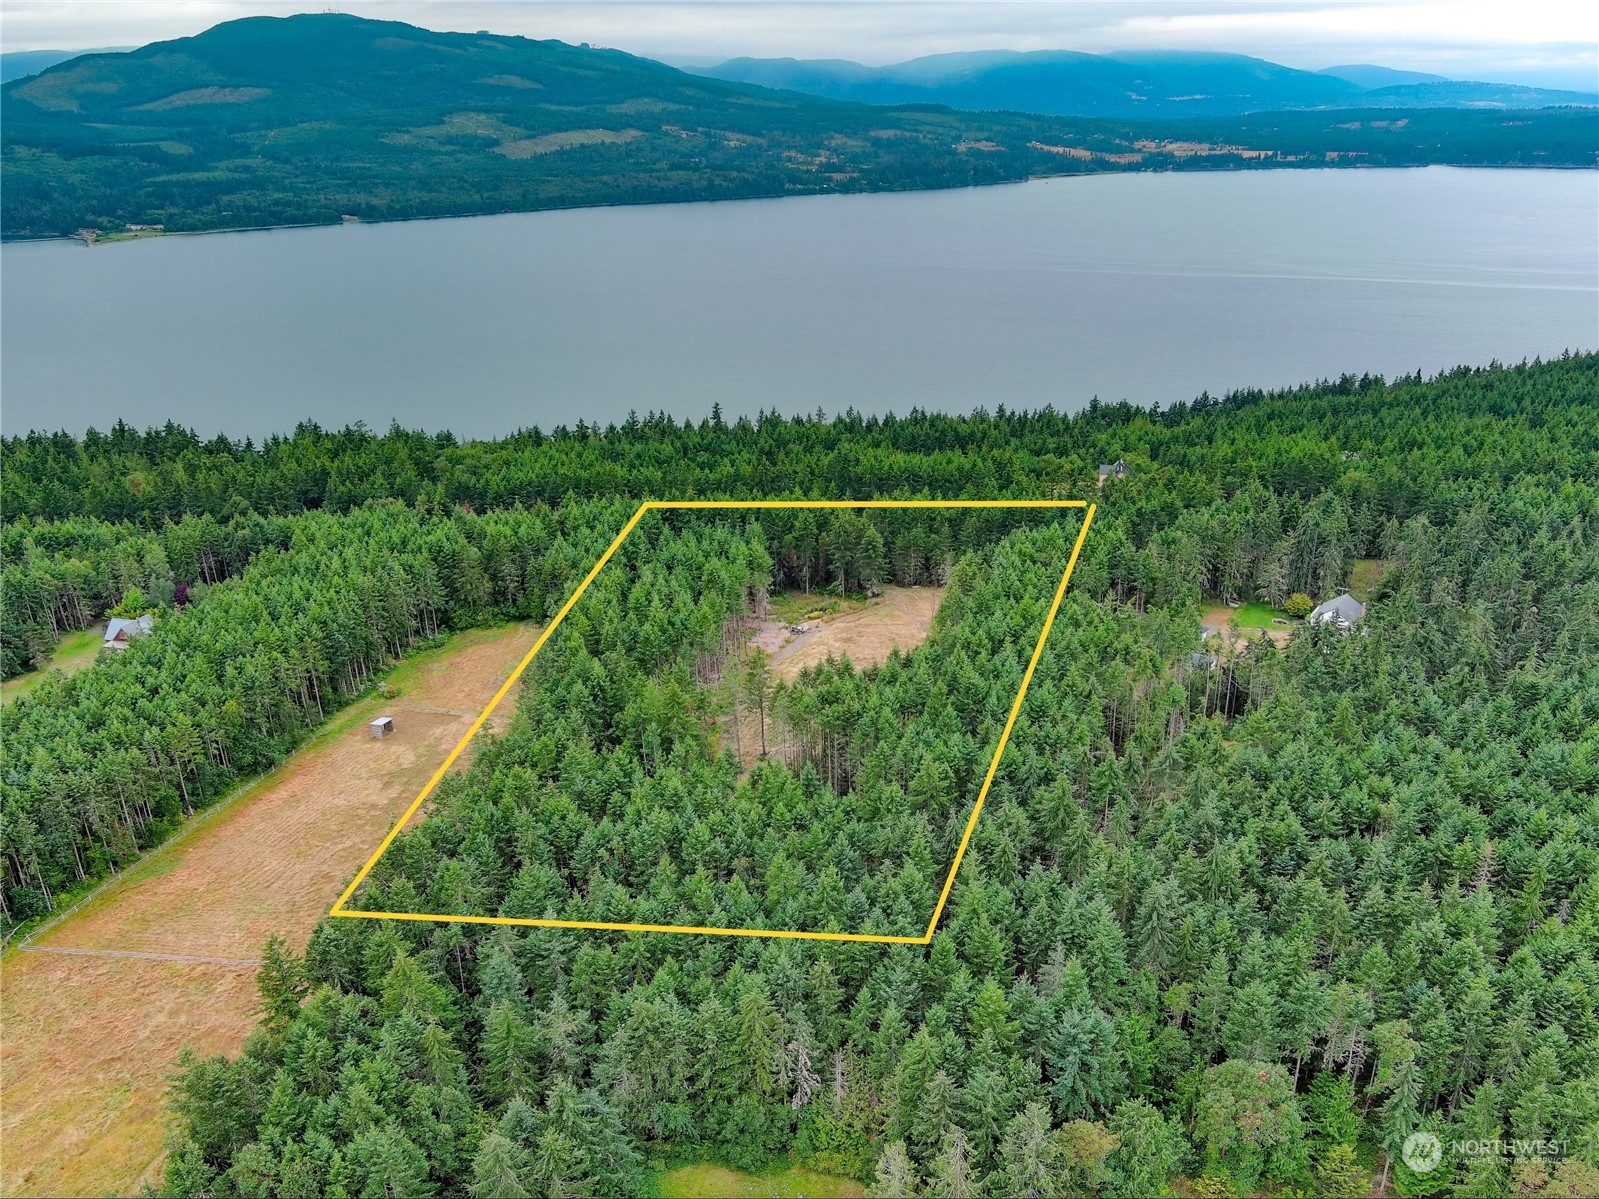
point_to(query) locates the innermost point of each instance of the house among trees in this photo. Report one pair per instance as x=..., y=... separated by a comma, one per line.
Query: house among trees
x=120, y=631
x=1343, y=612
x=1112, y=470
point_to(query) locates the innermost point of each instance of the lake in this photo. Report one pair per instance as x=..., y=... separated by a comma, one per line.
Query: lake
x=1149, y=287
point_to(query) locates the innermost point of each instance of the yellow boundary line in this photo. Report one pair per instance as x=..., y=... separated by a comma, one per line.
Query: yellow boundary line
x=339, y=909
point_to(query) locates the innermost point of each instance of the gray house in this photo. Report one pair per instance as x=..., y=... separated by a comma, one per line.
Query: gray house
x=1342, y=612
x=120, y=631
x=1112, y=470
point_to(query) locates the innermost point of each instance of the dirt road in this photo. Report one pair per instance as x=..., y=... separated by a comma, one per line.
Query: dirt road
x=88, y=1040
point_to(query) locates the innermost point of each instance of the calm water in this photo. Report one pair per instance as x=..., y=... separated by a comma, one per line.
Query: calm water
x=1149, y=287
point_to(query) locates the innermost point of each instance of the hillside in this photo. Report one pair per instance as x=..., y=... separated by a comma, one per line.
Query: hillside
x=19, y=64
x=1131, y=85
x=309, y=119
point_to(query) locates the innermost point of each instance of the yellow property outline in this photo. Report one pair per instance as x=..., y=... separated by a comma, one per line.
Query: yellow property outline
x=339, y=909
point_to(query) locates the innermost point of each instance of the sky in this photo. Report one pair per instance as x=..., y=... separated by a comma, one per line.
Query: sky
x=1550, y=43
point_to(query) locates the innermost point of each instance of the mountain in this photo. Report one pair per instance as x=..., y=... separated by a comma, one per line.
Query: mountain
x=1060, y=82
x=1365, y=75
x=1451, y=93
x=314, y=118
x=1143, y=84
x=19, y=64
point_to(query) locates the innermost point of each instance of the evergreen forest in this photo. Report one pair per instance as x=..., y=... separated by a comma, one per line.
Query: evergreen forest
x=1238, y=917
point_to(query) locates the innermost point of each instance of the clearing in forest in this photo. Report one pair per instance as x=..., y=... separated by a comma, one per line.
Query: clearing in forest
x=94, y=1015
x=898, y=619
x=340, y=908
x=73, y=653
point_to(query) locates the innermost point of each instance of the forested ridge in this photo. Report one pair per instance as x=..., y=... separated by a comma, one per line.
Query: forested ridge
x=1244, y=922
x=317, y=117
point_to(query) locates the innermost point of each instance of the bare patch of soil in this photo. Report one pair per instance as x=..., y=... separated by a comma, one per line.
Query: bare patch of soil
x=89, y=1041
x=899, y=618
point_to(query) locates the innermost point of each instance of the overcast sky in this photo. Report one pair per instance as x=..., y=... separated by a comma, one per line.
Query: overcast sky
x=1548, y=42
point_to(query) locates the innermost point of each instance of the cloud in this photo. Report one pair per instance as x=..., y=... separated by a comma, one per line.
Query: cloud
x=1550, y=42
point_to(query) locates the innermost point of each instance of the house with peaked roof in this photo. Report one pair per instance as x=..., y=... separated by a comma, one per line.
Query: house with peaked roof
x=120, y=631
x=1113, y=470
x=1342, y=612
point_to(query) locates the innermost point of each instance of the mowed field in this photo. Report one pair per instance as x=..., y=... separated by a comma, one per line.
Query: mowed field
x=165, y=957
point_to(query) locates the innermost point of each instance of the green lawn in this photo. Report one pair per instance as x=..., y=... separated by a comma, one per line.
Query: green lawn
x=718, y=1182
x=73, y=653
x=1260, y=616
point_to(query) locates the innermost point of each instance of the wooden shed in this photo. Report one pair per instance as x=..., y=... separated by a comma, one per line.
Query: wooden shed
x=382, y=727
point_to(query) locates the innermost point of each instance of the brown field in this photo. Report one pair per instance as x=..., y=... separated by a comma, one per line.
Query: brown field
x=91, y=1031
x=900, y=617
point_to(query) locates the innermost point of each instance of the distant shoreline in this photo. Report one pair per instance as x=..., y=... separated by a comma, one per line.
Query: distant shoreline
x=1218, y=169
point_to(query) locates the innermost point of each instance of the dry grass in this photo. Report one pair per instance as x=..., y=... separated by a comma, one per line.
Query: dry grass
x=900, y=617
x=88, y=1041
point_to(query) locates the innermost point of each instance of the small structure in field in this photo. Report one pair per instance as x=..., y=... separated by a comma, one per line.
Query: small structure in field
x=119, y=631
x=1113, y=470
x=382, y=727
x=1342, y=612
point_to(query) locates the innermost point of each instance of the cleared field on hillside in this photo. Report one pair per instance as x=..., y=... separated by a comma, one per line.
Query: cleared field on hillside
x=900, y=618
x=90, y=1035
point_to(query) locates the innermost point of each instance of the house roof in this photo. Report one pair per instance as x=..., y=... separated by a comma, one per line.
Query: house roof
x=1344, y=608
x=134, y=628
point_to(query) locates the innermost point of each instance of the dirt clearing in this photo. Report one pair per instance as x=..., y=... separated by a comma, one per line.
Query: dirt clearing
x=89, y=1040
x=899, y=618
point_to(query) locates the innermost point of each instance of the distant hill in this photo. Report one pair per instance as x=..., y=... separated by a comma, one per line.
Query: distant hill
x=1130, y=85
x=19, y=64
x=314, y=118
x=1364, y=74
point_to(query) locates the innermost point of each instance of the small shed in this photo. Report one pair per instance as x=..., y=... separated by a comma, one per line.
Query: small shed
x=382, y=727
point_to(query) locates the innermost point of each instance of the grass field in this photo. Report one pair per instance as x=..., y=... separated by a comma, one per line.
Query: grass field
x=73, y=652
x=791, y=607
x=718, y=1182
x=1260, y=616
x=1365, y=574
x=88, y=1033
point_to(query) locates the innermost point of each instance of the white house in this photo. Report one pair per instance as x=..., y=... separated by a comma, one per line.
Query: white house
x=120, y=631
x=1342, y=612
